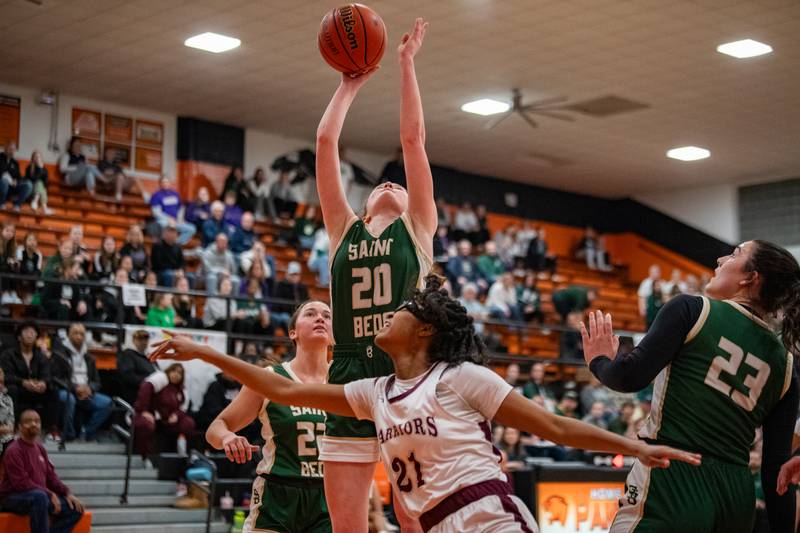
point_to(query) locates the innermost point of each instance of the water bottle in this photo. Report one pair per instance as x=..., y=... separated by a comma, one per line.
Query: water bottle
x=181, y=444
x=238, y=522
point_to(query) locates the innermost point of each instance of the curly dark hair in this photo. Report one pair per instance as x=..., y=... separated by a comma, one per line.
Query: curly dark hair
x=455, y=340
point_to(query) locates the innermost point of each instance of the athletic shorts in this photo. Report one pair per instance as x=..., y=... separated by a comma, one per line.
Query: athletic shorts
x=713, y=497
x=492, y=514
x=347, y=439
x=287, y=506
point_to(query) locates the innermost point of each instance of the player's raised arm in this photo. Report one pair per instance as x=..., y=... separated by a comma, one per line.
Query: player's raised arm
x=421, y=204
x=329, y=398
x=336, y=212
x=519, y=412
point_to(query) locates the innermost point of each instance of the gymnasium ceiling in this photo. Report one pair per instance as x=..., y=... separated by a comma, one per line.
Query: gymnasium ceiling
x=657, y=52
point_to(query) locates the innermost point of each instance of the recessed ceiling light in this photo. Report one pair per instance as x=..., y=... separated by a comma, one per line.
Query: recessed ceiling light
x=485, y=107
x=688, y=153
x=744, y=49
x=212, y=42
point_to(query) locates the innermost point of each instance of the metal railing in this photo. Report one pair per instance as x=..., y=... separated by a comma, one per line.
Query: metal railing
x=127, y=436
x=197, y=457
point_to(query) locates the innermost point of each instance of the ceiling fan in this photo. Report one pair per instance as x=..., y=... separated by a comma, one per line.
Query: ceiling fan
x=543, y=107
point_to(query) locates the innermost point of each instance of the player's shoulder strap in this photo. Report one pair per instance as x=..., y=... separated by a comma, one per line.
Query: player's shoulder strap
x=787, y=378
x=700, y=322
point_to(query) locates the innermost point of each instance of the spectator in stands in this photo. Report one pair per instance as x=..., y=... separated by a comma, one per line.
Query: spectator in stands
x=27, y=374
x=282, y=199
x=6, y=414
x=106, y=260
x=692, y=285
x=443, y=214
x=592, y=392
x=30, y=485
x=54, y=266
x=252, y=316
x=570, y=342
x=522, y=241
x=37, y=174
x=235, y=182
x=112, y=176
x=80, y=250
x=215, y=312
x=8, y=262
x=440, y=245
x=504, y=242
x=502, y=299
x=161, y=314
x=12, y=183
x=198, y=211
x=529, y=299
x=655, y=301
x=465, y=224
x=568, y=406
x=135, y=249
x=588, y=249
x=483, y=235
x=622, y=422
x=218, y=396
x=29, y=263
x=167, y=258
x=573, y=298
x=596, y=415
x=490, y=265
x=161, y=407
x=291, y=288
x=133, y=365
x=602, y=255
x=464, y=269
x=536, y=386
x=512, y=376
x=258, y=273
x=512, y=450
x=75, y=376
x=674, y=286
x=64, y=301
x=76, y=170
x=304, y=228
x=258, y=252
x=215, y=225
x=646, y=288
x=219, y=261
x=233, y=213
x=259, y=189
x=184, y=306
x=244, y=236
x=475, y=309
x=168, y=209
x=537, y=258
x=318, y=257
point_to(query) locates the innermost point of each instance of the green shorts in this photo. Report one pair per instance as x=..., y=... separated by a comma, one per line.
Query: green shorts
x=713, y=497
x=348, y=439
x=288, y=506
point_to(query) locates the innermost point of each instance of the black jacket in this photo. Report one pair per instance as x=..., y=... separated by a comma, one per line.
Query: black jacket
x=61, y=364
x=34, y=174
x=51, y=301
x=16, y=370
x=164, y=256
x=132, y=368
x=9, y=165
x=219, y=394
x=289, y=291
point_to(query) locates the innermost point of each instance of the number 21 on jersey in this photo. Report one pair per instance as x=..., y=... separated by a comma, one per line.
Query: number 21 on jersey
x=755, y=384
x=404, y=479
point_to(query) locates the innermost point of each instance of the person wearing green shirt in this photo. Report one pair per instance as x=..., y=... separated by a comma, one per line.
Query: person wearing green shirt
x=654, y=303
x=537, y=387
x=490, y=265
x=161, y=313
x=573, y=298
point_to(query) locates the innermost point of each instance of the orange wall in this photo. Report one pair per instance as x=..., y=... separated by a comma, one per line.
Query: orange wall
x=193, y=174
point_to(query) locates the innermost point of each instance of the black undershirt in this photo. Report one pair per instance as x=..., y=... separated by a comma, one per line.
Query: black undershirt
x=634, y=371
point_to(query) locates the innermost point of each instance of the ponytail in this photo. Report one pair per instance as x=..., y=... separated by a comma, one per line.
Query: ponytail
x=790, y=329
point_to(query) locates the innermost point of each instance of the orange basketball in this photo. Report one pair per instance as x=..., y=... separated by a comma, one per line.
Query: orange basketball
x=352, y=38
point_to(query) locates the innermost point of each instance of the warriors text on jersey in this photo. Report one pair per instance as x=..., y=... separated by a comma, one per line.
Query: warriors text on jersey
x=290, y=436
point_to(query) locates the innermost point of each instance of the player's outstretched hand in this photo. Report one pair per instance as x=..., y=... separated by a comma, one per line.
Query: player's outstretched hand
x=178, y=347
x=410, y=44
x=238, y=449
x=599, y=339
x=789, y=475
x=660, y=456
x=354, y=82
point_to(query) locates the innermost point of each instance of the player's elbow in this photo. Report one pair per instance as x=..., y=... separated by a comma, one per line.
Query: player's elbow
x=413, y=136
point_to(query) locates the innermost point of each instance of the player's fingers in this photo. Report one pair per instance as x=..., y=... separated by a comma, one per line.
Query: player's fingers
x=783, y=481
x=228, y=453
x=592, y=325
x=687, y=457
x=607, y=324
x=240, y=454
x=248, y=450
x=601, y=327
x=405, y=38
x=584, y=334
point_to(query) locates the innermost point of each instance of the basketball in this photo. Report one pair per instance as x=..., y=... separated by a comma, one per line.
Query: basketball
x=352, y=38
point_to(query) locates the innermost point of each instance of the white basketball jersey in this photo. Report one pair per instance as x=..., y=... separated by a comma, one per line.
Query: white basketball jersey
x=434, y=430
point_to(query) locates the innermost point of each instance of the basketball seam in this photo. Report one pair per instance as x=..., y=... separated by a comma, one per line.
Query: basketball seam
x=344, y=47
x=364, y=29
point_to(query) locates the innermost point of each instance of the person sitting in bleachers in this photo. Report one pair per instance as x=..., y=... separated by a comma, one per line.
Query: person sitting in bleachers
x=674, y=285
x=215, y=311
x=64, y=301
x=573, y=298
x=29, y=262
x=54, y=265
x=215, y=225
x=233, y=213
x=304, y=229
x=133, y=366
x=243, y=236
x=536, y=386
x=235, y=182
x=597, y=415
x=536, y=256
x=106, y=260
x=251, y=316
x=6, y=414
x=444, y=218
x=167, y=208
x=135, y=249
x=80, y=250
x=37, y=174
x=27, y=374
x=219, y=261
x=441, y=243
x=107, y=303
x=489, y=264
x=646, y=288
x=31, y=486
x=502, y=299
x=134, y=276
x=167, y=259
x=283, y=201
x=12, y=183
x=198, y=211
x=522, y=240
x=113, y=177
x=184, y=306
x=570, y=342
x=474, y=307
x=530, y=300
x=510, y=445
x=463, y=268
x=259, y=188
x=483, y=235
x=290, y=288
x=258, y=251
x=8, y=262
x=465, y=224
x=74, y=373
x=161, y=314
x=161, y=407
x=75, y=169
x=258, y=273
x=318, y=257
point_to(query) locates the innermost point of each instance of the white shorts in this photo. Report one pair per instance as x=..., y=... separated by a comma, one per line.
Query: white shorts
x=348, y=450
x=491, y=514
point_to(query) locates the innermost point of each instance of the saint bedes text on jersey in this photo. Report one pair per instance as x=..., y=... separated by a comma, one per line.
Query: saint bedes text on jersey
x=376, y=248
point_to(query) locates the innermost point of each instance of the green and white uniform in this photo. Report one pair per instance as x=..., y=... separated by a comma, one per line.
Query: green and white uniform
x=725, y=380
x=371, y=275
x=288, y=494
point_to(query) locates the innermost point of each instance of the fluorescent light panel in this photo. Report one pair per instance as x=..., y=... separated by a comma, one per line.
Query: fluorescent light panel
x=212, y=42
x=688, y=153
x=744, y=49
x=485, y=107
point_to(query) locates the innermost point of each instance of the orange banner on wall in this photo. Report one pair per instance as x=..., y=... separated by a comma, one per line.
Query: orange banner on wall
x=569, y=507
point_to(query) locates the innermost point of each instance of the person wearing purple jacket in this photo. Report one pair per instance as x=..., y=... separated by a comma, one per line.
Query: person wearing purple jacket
x=30, y=485
x=168, y=209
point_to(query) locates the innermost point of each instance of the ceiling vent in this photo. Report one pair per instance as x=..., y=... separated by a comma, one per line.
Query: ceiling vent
x=606, y=106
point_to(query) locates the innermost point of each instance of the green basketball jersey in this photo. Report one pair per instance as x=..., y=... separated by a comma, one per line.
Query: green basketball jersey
x=730, y=373
x=290, y=436
x=371, y=276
